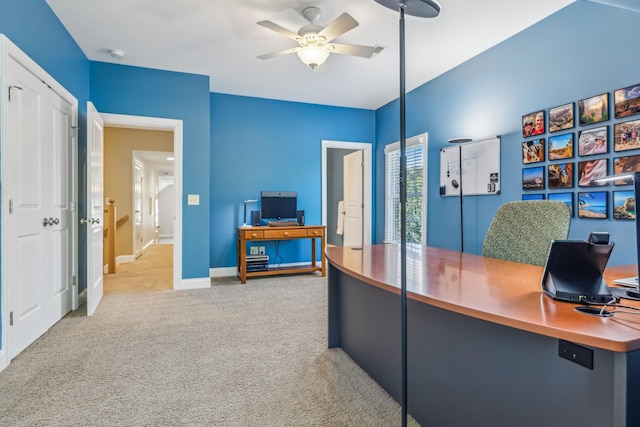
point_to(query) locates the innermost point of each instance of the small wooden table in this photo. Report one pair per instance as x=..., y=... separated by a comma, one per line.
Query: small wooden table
x=250, y=234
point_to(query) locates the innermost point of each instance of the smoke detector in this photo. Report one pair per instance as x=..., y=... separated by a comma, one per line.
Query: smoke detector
x=116, y=53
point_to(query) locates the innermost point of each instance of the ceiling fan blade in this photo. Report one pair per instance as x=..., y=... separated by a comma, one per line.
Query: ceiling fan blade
x=278, y=29
x=355, y=50
x=338, y=26
x=279, y=53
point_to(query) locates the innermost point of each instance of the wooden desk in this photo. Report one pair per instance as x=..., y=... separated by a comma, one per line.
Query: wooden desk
x=253, y=234
x=483, y=341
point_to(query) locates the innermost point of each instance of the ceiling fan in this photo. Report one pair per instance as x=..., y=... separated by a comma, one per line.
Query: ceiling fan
x=314, y=41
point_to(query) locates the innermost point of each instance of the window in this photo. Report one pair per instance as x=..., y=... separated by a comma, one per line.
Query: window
x=416, y=191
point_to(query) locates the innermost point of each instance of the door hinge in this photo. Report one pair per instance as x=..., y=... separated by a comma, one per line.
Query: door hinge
x=11, y=318
x=74, y=281
x=74, y=131
x=11, y=90
x=10, y=205
x=72, y=206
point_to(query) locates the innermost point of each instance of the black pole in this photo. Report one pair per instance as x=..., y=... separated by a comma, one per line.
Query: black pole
x=403, y=220
x=461, y=219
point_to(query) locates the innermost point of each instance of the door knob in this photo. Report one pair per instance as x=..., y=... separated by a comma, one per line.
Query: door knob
x=45, y=222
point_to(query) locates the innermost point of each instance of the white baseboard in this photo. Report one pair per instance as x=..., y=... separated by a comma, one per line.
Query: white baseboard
x=197, y=283
x=123, y=259
x=233, y=271
x=3, y=360
x=223, y=272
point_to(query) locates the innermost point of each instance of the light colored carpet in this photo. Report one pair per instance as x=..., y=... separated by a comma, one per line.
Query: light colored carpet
x=153, y=271
x=231, y=355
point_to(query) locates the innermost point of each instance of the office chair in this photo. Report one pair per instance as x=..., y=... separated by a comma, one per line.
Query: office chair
x=522, y=231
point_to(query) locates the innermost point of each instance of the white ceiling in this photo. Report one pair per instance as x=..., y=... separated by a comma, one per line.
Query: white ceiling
x=220, y=39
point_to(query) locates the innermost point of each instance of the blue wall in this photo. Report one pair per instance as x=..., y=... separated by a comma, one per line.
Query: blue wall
x=146, y=92
x=583, y=50
x=260, y=144
x=35, y=29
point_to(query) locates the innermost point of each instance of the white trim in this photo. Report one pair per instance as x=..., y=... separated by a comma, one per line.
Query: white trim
x=223, y=272
x=368, y=177
x=233, y=271
x=197, y=283
x=411, y=142
x=124, y=259
x=156, y=123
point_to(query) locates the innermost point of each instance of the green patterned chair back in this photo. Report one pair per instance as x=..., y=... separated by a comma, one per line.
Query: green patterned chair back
x=522, y=231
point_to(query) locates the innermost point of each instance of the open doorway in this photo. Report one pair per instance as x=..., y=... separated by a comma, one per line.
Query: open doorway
x=346, y=192
x=161, y=164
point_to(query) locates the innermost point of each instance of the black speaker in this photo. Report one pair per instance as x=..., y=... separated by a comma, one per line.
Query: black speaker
x=255, y=218
x=300, y=217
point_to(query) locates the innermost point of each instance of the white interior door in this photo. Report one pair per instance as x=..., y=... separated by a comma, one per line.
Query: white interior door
x=37, y=194
x=95, y=207
x=352, y=187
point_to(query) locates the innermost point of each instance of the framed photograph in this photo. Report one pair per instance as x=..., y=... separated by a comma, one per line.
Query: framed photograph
x=533, y=178
x=566, y=198
x=593, y=110
x=623, y=165
x=624, y=205
x=561, y=117
x=533, y=151
x=593, y=141
x=627, y=101
x=533, y=197
x=561, y=146
x=590, y=170
x=626, y=135
x=533, y=124
x=560, y=175
x=593, y=204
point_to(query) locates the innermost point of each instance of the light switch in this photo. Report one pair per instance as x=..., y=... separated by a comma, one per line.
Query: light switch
x=193, y=199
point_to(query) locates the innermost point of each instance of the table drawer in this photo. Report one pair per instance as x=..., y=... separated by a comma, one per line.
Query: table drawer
x=253, y=234
x=316, y=232
x=284, y=234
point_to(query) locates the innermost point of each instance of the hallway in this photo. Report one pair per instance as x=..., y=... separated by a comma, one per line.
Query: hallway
x=153, y=271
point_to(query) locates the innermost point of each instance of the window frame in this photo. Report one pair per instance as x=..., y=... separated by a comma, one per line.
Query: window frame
x=415, y=141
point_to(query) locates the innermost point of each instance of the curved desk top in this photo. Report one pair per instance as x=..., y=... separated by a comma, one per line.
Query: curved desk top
x=498, y=291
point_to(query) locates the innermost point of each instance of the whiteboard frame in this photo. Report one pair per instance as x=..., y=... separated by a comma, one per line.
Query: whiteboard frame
x=485, y=154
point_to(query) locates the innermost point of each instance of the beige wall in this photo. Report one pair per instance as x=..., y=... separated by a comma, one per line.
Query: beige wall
x=119, y=144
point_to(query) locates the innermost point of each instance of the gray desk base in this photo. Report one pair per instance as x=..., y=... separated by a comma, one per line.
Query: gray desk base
x=465, y=371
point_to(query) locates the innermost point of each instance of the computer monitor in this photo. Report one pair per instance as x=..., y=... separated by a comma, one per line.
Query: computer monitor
x=632, y=282
x=278, y=205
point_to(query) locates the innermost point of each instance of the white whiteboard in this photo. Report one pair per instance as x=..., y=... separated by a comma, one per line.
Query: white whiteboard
x=480, y=168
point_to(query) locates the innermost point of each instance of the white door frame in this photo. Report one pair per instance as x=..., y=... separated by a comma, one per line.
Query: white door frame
x=175, y=126
x=367, y=149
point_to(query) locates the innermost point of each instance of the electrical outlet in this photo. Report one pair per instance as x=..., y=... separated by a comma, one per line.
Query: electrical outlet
x=260, y=250
x=253, y=250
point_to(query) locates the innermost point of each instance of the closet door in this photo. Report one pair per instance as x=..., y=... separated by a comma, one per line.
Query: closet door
x=59, y=136
x=37, y=192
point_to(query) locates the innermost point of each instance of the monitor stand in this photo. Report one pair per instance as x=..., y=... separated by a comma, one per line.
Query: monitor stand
x=282, y=223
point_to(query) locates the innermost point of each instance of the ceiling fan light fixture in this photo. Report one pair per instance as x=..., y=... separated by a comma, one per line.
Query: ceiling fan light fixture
x=313, y=56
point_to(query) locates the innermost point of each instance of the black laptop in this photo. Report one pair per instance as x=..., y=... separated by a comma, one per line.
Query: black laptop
x=573, y=271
